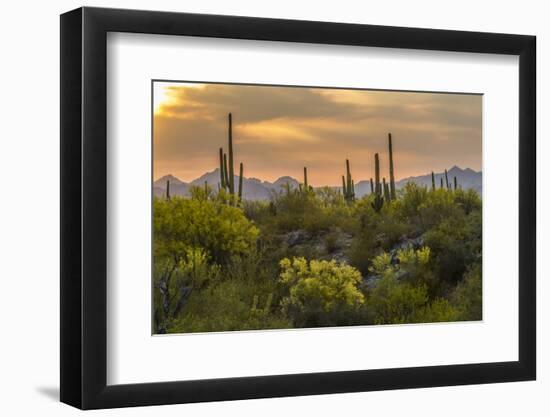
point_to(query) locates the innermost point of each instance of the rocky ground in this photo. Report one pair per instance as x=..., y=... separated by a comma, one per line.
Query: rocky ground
x=335, y=244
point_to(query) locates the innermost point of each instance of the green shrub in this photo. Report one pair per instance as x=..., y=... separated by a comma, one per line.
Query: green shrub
x=467, y=200
x=175, y=281
x=455, y=243
x=395, y=302
x=414, y=196
x=221, y=230
x=438, y=206
x=467, y=296
x=318, y=288
x=402, y=294
x=229, y=306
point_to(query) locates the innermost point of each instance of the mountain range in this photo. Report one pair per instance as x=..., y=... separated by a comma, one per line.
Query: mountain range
x=256, y=189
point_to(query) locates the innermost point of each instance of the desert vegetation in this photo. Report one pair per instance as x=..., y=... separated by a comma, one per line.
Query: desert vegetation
x=315, y=257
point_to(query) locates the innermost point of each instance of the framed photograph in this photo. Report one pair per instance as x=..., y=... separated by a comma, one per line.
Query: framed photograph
x=258, y=208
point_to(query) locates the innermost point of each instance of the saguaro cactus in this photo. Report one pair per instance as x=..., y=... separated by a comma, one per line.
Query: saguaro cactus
x=226, y=174
x=441, y=182
x=392, y=177
x=455, y=183
x=168, y=189
x=227, y=171
x=378, y=201
x=306, y=185
x=222, y=170
x=240, y=181
x=348, y=184
x=231, y=171
x=387, y=196
x=433, y=181
x=344, y=190
x=371, y=186
x=447, y=180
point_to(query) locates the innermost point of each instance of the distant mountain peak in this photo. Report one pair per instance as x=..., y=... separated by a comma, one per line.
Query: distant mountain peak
x=285, y=179
x=171, y=178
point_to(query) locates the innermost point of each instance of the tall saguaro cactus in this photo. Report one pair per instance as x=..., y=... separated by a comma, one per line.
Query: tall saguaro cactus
x=392, y=177
x=306, y=185
x=348, y=184
x=344, y=190
x=168, y=189
x=455, y=183
x=378, y=201
x=240, y=181
x=227, y=171
x=231, y=171
x=433, y=181
x=447, y=180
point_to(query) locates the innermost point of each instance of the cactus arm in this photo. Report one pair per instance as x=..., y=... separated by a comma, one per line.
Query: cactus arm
x=225, y=173
x=222, y=171
x=392, y=177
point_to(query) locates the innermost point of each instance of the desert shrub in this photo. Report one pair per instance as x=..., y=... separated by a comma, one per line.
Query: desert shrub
x=391, y=229
x=363, y=248
x=258, y=211
x=410, y=264
x=396, y=302
x=204, y=193
x=174, y=282
x=439, y=310
x=438, y=206
x=220, y=229
x=455, y=243
x=330, y=197
x=229, y=306
x=314, y=211
x=392, y=302
x=402, y=294
x=467, y=200
x=330, y=241
x=467, y=296
x=414, y=196
x=318, y=289
x=366, y=240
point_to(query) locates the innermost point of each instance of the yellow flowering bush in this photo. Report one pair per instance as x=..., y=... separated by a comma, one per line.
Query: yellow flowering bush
x=319, y=287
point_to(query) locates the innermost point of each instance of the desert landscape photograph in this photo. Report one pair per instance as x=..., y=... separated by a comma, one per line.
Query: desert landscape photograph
x=281, y=207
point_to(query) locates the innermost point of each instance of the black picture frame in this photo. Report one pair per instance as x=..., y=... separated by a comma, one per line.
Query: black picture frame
x=84, y=207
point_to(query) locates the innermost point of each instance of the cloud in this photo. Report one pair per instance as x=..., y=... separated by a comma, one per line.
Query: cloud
x=278, y=130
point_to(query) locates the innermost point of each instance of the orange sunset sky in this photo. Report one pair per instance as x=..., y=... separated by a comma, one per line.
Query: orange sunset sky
x=279, y=130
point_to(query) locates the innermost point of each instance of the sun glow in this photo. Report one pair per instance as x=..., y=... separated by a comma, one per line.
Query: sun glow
x=165, y=93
